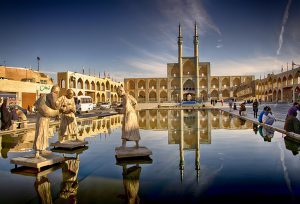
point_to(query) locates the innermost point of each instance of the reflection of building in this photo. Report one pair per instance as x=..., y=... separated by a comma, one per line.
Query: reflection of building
x=282, y=87
x=170, y=120
x=189, y=128
x=186, y=79
x=92, y=127
x=23, y=86
x=100, y=89
x=23, y=142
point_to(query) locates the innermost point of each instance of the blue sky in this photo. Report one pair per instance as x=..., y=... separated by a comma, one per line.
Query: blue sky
x=138, y=38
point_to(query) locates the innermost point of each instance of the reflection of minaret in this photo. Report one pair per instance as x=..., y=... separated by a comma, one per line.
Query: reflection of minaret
x=181, y=144
x=197, y=156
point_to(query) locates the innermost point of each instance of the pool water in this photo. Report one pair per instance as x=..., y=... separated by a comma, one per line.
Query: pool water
x=198, y=156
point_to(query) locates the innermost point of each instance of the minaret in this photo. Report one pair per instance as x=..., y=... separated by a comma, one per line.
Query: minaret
x=196, y=56
x=180, y=61
x=196, y=41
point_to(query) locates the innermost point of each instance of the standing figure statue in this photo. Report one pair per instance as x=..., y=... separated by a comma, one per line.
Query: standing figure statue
x=46, y=108
x=130, y=126
x=68, y=123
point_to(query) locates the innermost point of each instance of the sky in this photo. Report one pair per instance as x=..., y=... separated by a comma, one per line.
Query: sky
x=134, y=38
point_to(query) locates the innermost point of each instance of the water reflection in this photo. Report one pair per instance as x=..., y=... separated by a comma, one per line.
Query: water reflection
x=23, y=142
x=189, y=129
x=69, y=184
x=43, y=189
x=131, y=178
x=293, y=146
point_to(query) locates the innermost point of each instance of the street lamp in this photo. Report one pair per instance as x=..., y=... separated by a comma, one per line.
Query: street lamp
x=38, y=61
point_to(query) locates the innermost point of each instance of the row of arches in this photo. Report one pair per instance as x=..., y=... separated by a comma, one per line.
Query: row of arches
x=275, y=95
x=152, y=84
x=79, y=84
x=100, y=97
x=153, y=119
x=175, y=83
x=279, y=82
x=189, y=70
x=152, y=96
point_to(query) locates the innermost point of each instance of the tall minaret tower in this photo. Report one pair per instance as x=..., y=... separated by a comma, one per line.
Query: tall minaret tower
x=196, y=56
x=180, y=61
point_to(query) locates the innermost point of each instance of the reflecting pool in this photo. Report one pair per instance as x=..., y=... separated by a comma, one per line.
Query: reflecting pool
x=198, y=156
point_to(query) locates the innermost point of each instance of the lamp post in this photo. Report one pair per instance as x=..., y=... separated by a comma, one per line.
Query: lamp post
x=38, y=61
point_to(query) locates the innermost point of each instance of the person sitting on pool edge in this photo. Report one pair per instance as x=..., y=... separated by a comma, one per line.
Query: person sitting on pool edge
x=242, y=110
x=268, y=118
x=262, y=113
x=292, y=124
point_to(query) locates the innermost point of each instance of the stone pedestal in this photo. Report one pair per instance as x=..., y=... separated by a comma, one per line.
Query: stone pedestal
x=44, y=160
x=77, y=150
x=133, y=160
x=29, y=171
x=127, y=152
x=69, y=144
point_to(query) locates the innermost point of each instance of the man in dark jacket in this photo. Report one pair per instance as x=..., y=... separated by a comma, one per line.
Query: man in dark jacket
x=255, y=108
x=292, y=124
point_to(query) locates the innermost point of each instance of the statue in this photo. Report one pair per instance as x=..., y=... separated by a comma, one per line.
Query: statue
x=68, y=123
x=46, y=108
x=130, y=126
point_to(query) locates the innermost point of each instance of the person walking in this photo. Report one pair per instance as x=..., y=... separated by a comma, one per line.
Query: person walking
x=255, y=108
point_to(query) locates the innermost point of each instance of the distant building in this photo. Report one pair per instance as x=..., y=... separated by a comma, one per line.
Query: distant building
x=23, y=86
x=99, y=89
x=187, y=79
x=282, y=87
x=246, y=91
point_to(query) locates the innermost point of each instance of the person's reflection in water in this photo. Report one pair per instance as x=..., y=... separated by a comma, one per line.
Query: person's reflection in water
x=242, y=121
x=267, y=134
x=43, y=189
x=255, y=128
x=293, y=146
x=69, y=185
x=131, y=182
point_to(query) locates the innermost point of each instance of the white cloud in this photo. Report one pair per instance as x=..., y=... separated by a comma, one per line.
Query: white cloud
x=253, y=66
x=284, y=20
x=187, y=12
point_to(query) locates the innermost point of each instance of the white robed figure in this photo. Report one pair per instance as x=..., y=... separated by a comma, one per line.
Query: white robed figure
x=68, y=123
x=130, y=126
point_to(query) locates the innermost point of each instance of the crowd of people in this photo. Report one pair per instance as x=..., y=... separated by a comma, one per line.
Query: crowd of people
x=292, y=120
x=10, y=114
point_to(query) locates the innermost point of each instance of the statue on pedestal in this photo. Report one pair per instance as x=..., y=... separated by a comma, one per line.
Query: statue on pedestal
x=130, y=126
x=68, y=123
x=46, y=108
